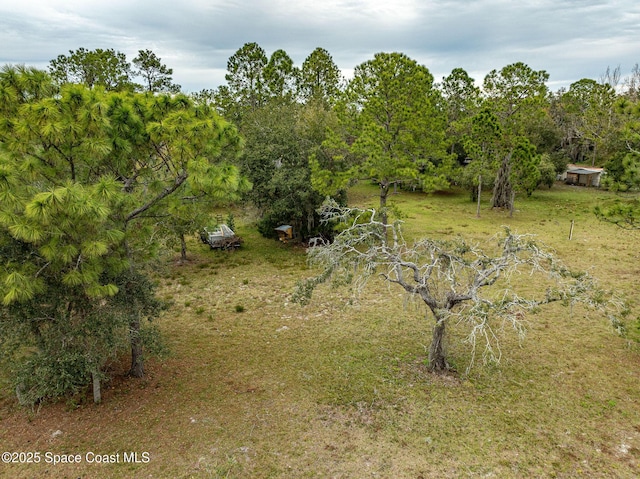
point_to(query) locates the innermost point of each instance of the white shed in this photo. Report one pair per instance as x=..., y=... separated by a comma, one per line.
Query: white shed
x=582, y=175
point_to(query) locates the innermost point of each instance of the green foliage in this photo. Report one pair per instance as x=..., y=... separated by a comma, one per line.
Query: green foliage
x=513, y=91
x=51, y=375
x=559, y=159
x=71, y=337
x=106, y=68
x=280, y=75
x=547, y=169
x=281, y=134
x=69, y=230
x=515, y=95
x=400, y=131
x=461, y=98
x=390, y=123
x=526, y=175
x=231, y=221
x=156, y=76
x=280, y=137
x=623, y=171
x=474, y=173
x=625, y=214
x=320, y=78
x=590, y=116
x=484, y=146
x=110, y=70
x=245, y=77
x=85, y=176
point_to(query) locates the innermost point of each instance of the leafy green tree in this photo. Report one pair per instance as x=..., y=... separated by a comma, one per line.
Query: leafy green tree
x=591, y=118
x=484, y=146
x=513, y=94
x=190, y=209
x=320, y=77
x=280, y=137
x=61, y=248
x=245, y=75
x=156, y=76
x=280, y=75
x=487, y=147
x=84, y=176
x=390, y=113
x=20, y=84
x=625, y=214
x=461, y=102
x=513, y=90
x=177, y=146
x=206, y=96
x=547, y=169
x=525, y=172
x=106, y=68
x=61, y=229
x=624, y=173
x=261, y=97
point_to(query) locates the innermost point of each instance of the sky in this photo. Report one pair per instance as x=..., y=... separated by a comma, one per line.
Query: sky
x=569, y=39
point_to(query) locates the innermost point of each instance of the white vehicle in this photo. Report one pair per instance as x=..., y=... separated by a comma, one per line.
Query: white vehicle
x=222, y=237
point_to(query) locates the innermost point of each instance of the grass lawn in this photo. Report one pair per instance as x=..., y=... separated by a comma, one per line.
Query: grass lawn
x=257, y=387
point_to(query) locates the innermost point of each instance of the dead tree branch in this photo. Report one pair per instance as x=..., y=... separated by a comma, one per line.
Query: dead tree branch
x=457, y=281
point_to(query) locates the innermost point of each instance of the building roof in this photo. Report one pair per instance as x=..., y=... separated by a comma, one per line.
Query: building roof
x=583, y=171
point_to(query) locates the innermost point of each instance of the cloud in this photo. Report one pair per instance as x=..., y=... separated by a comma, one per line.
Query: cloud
x=570, y=39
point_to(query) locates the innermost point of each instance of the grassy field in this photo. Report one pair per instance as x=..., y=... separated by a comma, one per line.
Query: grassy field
x=257, y=387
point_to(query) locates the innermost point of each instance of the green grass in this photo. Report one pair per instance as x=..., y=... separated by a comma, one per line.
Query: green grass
x=339, y=388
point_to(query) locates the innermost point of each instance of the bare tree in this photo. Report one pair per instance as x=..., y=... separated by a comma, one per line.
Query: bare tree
x=457, y=281
x=612, y=77
x=631, y=83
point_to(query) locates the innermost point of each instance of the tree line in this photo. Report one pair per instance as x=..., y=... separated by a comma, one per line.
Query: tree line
x=104, y=165
x=395, y=125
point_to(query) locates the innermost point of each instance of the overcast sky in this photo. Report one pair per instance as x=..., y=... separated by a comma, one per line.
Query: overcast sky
x=570, y=39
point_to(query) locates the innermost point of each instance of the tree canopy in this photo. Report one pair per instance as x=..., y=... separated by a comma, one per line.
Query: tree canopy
x=624, y=172
x=155, y=75
x=391, y=124
x=84, y=176
x=320, y=77
x=514, y=95
x=112, y=71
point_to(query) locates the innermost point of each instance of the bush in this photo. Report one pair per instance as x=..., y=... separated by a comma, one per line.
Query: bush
x=43, y=376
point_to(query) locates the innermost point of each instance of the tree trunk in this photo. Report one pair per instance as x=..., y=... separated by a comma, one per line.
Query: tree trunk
x=97, y=395
x=479, y=195
x=437, y=359
x=473, y=194
x=183, y=248
x=310, y=222
x=137, y=365
x=384, y=191
x=503, y=188
x=512, y=201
